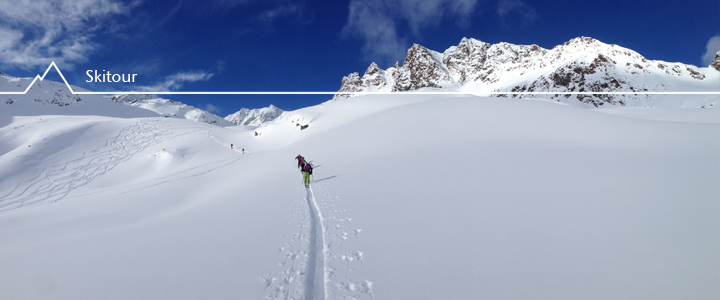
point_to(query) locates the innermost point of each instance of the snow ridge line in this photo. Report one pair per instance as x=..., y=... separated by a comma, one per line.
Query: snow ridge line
x=316, y=275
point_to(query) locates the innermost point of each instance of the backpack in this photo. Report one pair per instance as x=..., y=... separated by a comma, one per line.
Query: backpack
x=308, y=168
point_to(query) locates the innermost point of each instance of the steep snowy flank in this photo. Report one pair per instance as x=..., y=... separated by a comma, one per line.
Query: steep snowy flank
x=254, y=117
x=579, y=65
x=169, y=108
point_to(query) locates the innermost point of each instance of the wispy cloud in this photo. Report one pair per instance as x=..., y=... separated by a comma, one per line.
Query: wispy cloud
x=526, y=13
x=176, y=81
x=264, y=11
x=371, y=22
x=170, y=14
x=33, y=33
x=712, y=48
x=377, y=22
x=285, y=10
x=209, y=107
x=220, y=66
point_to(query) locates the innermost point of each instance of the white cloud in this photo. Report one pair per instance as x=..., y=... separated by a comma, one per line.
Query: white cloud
x=9, y=38
x=376, y=22
x=176, y=81
x=212, y=108
x=281, y=11
x=421, y=13
x=60, y=30
x=526, y=13
x=712, y=48
x=370, y=21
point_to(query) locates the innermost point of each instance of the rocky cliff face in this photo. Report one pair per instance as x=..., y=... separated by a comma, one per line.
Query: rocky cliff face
x=466, y=61
x=579, y=65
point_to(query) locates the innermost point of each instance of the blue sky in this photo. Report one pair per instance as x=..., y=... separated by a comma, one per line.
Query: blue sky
x=284, y=45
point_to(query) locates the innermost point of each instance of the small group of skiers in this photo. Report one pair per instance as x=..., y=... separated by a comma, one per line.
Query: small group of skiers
x=233, y=147
x=306, y=168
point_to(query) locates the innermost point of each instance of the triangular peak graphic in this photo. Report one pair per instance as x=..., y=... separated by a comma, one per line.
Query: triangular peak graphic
x=41, y=78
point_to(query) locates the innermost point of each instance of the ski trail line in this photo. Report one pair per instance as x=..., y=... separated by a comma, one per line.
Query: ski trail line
x=56, y=182
x=316, y=274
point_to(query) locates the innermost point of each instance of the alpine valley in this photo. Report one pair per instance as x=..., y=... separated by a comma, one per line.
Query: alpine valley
x=475, y=195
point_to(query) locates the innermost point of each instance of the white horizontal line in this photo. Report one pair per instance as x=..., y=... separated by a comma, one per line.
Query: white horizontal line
x=52, y=64
x=397, y=93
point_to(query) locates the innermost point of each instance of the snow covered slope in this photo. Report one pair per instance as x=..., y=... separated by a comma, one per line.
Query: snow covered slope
x=579, y=65
x=166, y=107
x=500, y=200
x=53, y=98
x=254, y=117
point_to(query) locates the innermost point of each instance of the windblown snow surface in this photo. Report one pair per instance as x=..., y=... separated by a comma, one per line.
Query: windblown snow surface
x=413, y=197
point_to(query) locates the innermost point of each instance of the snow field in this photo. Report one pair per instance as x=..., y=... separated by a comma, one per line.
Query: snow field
x=413, y=198
x=524, y=199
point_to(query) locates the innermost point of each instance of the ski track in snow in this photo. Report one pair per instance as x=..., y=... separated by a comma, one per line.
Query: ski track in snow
x=343, y=259
x=288, y=283
x=316, y=278
x=320, y=261
x=56, y=182
x=196, y=171
x=236, y=148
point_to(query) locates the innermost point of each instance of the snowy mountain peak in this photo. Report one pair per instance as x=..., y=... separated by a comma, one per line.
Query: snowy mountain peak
x=169, y=108
x=582, y=64
x=374, y=78
x=372, y=70
x=584, y=41
x=255, y=117
x=465, y=59
x=716, y=63
x=425, y=68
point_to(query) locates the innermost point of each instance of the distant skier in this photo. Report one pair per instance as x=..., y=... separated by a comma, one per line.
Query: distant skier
x=231, y=146
x=243, y=151
x=307, y=171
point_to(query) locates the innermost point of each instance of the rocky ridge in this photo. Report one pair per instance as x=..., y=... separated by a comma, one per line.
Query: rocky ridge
x=579, y=65
x=716, y=63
